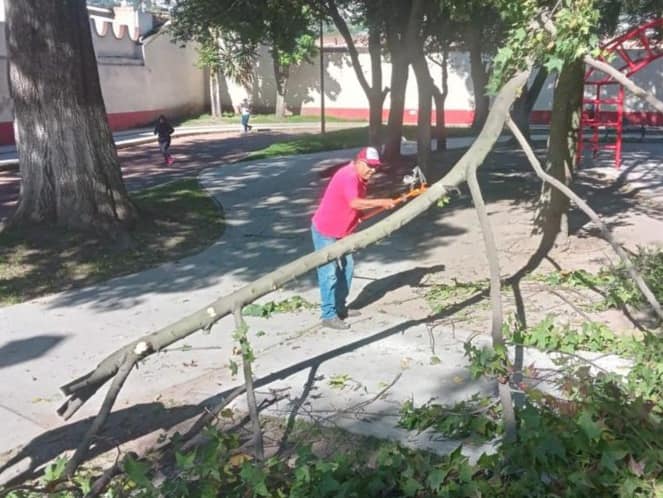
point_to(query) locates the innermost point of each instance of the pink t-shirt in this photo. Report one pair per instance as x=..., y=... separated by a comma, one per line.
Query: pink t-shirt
x=335, y=217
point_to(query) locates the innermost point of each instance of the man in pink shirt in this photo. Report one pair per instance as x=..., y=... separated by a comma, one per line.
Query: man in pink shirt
x=337, y=216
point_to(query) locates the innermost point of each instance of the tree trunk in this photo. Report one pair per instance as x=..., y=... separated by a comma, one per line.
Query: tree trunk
x=377, y=94
x=374, y=93
x=399, y=74
x=560, y=162
x=478, y=75
x=375, y=103
x=281, y=74
x=69, y=166
x=403, y=41
x=440, y=97
x=214, y=92
x=522, y=107
x=520, y=114
x=425, y=91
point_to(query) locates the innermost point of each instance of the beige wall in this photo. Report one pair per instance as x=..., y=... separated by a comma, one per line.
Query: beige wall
x=139, y=79
x=342, y=89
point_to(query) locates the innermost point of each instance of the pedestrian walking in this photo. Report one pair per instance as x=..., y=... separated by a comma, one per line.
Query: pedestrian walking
x=337, y=216
x=164, y=130
x=245, y=112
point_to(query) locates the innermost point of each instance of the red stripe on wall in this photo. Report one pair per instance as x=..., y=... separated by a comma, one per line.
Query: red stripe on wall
x=126, y=120
x=117, y=121
x=452, y=116
x=7, y=133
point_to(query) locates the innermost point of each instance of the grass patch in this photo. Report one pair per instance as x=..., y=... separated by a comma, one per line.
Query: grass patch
x=227, y=118
x=410, y=132
x=177, y=219
x=337, y=139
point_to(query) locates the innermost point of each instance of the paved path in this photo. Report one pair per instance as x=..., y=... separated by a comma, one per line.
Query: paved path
x=268, y=204
x=142, y=164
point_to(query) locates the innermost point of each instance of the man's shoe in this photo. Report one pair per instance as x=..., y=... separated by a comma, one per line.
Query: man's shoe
x=348, y=313
x=335, y=323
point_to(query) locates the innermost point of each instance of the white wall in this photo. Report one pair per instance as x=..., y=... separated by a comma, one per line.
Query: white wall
x=140, y=78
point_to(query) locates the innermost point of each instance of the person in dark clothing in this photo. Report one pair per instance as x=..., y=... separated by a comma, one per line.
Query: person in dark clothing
x=164, y=130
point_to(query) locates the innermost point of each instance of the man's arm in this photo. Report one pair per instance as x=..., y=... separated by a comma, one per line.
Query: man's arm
x=363, y=204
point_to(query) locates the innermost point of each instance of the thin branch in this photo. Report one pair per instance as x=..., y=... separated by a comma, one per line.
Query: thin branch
x=123, y=373
x=623, y=80
x=102, y=482
x=240, y=326
x=209, y=415
x=607, y=234
x=508, y=413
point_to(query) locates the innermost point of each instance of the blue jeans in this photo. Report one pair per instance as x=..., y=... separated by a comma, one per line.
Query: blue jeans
x=334, y=278
x=245, y=121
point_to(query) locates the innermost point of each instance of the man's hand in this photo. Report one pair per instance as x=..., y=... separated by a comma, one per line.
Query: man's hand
x=388, y=203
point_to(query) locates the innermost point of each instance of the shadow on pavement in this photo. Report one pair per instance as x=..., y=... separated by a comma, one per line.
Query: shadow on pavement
x=131, y=423
x=15, y=352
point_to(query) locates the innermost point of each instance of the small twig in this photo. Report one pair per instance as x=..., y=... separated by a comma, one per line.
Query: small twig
x=565, y=353
x=367, y=402
x=117, y=468
x=431, y=337
x=208, y=415
x=571, y=304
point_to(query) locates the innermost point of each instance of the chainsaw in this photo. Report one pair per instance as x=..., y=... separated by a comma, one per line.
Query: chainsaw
x=416, y=184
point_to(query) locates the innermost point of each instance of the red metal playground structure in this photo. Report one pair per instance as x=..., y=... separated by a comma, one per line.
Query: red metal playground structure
x=602, y=108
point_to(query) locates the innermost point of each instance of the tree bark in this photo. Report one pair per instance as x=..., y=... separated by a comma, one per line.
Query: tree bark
x=402, y=30
x=69, y=166
x=523, y=106
x=440, y=97
x=281, y=74
x=560, y=162
x=399, y=75
x=478, y=74
x=80, y=390
x=377, y=94
x=215, y=97
x=425, y=90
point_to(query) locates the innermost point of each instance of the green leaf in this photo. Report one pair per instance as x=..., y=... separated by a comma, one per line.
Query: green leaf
x=410, y=487
x=185, y=462
x=137, y=472
x=436, y=478
x=591, y=428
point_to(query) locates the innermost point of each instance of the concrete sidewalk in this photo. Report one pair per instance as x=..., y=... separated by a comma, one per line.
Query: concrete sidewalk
x=137, y=136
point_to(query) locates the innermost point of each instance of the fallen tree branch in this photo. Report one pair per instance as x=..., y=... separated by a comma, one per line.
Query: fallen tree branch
x=81, y=389
x=611, y=71
x=584, y=207
x=623, y=80
x=128, y=363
